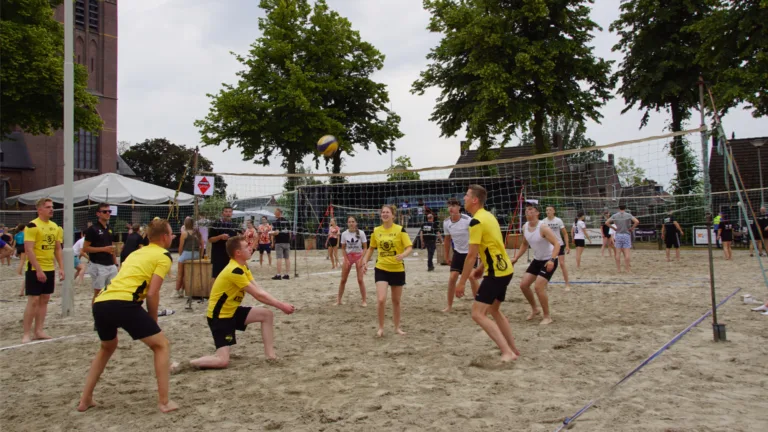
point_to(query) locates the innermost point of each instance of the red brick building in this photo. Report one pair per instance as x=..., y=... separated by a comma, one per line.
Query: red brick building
x=30, y=162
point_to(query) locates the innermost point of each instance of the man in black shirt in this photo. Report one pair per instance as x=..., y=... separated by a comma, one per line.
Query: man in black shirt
x=671, y=234
x=761, y=227
x=282, y=234
x=219, y=233
x=133, y=242
x=101, y=253
x=430, y=230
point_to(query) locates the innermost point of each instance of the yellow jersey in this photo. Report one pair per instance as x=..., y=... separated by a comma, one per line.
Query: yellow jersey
x=132, y=282
x=229, y=290
x=484, y=231
x=45, y=235
x=390, y=243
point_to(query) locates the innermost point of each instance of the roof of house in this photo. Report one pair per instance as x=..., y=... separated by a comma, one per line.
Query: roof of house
x=745, y=156
x=513, y=168
x=14, y=153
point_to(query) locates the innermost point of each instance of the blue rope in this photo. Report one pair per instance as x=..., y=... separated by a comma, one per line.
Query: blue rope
x=597, y=282
x=569, y=420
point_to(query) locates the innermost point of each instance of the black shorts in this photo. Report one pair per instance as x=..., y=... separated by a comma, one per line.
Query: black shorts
x=579, y=242
x=562, y=250
x=457, y=262
x=33, y=287
x=672, y=240
x=19, y=250
x=493, y=288
x=392, y=278
x=265, y=247
x=333, y=242
x=130, y=316
x=539, y=268
x=223, y=329
x=727, y=236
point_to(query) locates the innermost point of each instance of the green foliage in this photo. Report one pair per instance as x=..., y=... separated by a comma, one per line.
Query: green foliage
x=292, y=182
x=735, y=43
x=629, y=173
x=163, y=163
x=308, y=75
x=687, y=181
x=659, y=69
x=574, y=137
x=212, y=206
x=503, y=66
x=402, y=163
x=32, y=72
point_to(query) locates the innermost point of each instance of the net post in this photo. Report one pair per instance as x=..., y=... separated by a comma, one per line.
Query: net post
x=67, y=292
x=295, y=232
x=196, y=213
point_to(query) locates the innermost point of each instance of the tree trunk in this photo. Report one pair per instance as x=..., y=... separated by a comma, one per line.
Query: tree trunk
x=336, y=161
x=291, y=162
x=539, y=145
x=678, y=151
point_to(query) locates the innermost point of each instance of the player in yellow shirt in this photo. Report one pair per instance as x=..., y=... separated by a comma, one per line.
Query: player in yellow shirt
x=42, y=243
x=119, y=306
x=225, y=315
x=495, y=268
x=394, y=246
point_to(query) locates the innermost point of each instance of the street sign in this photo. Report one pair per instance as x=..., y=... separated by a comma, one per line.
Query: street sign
x=204, y=185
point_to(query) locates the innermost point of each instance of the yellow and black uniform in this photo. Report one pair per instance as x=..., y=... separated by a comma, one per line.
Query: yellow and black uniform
x=119, y=304
x=390, y=242
x=225, y=315
x=45, y=235
x=484, y=231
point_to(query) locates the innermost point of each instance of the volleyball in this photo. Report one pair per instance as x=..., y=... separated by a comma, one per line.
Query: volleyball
x=328, y=145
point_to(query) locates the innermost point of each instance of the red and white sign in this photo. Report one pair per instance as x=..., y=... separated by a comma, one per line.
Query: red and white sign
x=204, y=185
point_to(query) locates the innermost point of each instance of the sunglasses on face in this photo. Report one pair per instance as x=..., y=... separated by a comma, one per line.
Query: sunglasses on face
x=105, y=211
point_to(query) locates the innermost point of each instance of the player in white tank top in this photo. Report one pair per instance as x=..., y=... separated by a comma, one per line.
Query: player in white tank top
x=558, y=228
x=539, y=237
x=456, y=232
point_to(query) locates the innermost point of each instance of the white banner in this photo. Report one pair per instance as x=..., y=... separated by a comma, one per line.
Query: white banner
x=596, y=235
x=700, y=236
x=114, y=210
x=204, y=185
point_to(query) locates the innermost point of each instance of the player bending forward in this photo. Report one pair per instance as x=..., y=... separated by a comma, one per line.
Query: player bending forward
x=119, y=306
x=225, y=315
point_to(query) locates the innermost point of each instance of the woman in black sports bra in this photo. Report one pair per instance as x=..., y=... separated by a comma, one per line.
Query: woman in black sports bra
x=725, y=234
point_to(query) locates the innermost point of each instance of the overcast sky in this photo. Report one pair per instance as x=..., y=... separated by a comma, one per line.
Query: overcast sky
x=173, y=52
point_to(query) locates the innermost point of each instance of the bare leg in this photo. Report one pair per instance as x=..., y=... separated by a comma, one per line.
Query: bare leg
x=96, y=293
x=279, y=261
x=267, y=320
x=287, y=265
x=503, y=323
x=161, y=348
x=667, y=254
x=381, y=305
x=33, y=303
x=269, y=257
x=261, y=259
x=345, y=269
x=677, y=254
x=627, y=253
x=94, y=373
x=180, y=278
x=479, y=315
x=541, y=293
x=397, y=293
x=579, y=251
x=617, y=255
x=452, y=279
x=361, y=282
x=474, y=285
x=525, y=287
x=561, y=261
x=220, y=360
x=42, y=311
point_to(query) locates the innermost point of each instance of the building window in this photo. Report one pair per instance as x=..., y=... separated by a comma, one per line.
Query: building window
x=93, y=15
x=80, y=13
x=86, y=151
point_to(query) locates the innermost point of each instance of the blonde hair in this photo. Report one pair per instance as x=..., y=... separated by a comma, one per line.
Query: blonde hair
x=41, y=202
x=391, y=208
x=157, y=228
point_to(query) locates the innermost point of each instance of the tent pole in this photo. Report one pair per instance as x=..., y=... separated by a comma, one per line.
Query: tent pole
x=67, y=297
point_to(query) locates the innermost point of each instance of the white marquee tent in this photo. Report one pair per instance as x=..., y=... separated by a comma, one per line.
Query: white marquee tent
x=110, y=187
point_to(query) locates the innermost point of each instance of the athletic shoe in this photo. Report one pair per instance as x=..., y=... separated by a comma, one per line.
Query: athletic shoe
x=286, y=277
x=764, y=313
x=276, y=277
x=762, y=308
x=431, y=269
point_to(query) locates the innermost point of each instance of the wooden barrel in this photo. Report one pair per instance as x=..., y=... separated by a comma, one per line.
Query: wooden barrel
x=197, y=278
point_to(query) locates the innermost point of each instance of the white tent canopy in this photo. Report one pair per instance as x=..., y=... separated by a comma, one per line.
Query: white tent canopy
x=112, y=188
x=253, y=212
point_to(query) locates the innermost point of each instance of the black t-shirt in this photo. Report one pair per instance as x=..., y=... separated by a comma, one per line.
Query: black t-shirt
x=762, y=221
x=100, y=236
x=429, y=231
x=132, y=243
x=6, y=238
x=281, y=224
x=219, y=249
x=669, y=225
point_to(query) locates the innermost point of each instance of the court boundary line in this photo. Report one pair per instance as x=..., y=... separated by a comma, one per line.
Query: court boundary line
x=569, y=420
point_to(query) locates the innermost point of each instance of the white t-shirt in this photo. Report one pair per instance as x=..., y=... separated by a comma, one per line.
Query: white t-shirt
x=556, y=225
x=459, y=232
x=578, y=230
x=78, y=247
x=353, y=242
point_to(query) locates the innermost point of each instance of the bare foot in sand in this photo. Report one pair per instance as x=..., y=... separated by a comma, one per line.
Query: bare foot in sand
x=533, y=314
x=168, y=407
x=400, y=332
x=338, y=303
x=546, y=321
x=516, y=351
x=567, y=287
x=380, y=333
x=364, y=304
x=448, y=309
x=505, y=358
x=41, y=336
x=26, y=339
x=83, y=406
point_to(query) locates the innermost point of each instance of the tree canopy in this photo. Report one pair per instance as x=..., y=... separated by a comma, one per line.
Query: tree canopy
x=659, y=70
x=574, y=137
x=168, y=170
x=308, y=75
x=503, y=66
x=629, y=173
x=32, y=72
x=401, y=163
